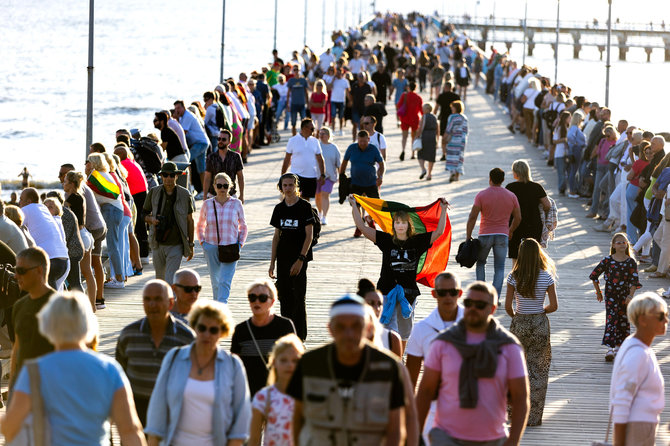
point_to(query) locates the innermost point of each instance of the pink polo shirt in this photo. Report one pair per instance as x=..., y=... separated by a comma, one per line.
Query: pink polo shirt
x=496, y=204
x=486, y=422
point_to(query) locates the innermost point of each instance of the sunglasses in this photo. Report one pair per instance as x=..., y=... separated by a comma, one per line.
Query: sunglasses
x=451, y=291
x=212, y=330
x=662, y=315
x=20, y=271
x=171, y=175
x=262, y=298
x=189, y=289
x=222, y=185
x=225, y=138
x=479, y=304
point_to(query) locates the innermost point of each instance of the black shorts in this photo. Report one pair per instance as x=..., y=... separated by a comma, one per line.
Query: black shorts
x=368, y=191
x=307, y=187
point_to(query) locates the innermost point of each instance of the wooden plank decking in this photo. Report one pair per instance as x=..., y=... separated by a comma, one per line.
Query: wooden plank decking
x=576, y=410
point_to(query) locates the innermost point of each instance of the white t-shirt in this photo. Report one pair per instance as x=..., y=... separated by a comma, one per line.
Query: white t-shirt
x=282, y=89
x=560, y=147
x=530, y=94
x=195, y=418
x=325, y=60
x=328, y=78
x=357, y=65
x=426, y=330
x=44, y=230
x=340, y=87
x=303, y=155
x=378, y=140
x=332, y=159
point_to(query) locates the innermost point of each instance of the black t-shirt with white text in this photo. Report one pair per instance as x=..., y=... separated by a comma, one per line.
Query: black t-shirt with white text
x=291, y=221
x=399, y=262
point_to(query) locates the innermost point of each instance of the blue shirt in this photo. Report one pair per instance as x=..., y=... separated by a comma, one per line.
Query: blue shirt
x=363, y=172
x=297, y=88
x=663, y=179
x=77, y=388
x=399, y=86
x=195, y=134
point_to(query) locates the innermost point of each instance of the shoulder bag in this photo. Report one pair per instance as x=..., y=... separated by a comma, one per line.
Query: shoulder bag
x=35, y=430
x=227, y=253
x=258, y=349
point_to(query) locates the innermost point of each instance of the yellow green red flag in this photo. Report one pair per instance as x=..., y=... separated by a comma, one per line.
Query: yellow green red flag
x=424, y=219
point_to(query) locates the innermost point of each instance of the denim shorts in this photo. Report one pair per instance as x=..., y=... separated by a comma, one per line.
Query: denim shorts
x=337, y=109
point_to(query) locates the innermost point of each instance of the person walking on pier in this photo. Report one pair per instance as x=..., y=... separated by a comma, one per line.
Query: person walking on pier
x=186, y=288
x=409, y=107
x=473, y=409
x=456, y=134
x=533, y=277
x=621, y=281
x=303, y=154
x=443, y=111
x=497, y=205
x=428, y=133
x=345, y=374
x=293, y=220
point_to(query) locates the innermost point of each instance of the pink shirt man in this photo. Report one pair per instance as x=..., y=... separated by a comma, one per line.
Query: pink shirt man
x=496, y=204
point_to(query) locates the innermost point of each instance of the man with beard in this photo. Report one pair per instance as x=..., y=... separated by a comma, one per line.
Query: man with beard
x=227, y=161
x=472, y=407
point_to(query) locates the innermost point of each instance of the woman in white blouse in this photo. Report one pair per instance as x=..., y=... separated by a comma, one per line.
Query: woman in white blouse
x=637, y=395
x=222, y=230
x=531, y=279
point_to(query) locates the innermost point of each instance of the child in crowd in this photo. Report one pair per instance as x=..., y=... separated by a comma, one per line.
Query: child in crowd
x=621, y=281
x=272, y=414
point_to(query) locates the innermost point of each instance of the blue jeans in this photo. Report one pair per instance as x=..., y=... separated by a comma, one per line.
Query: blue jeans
x=499, y=244
x=127, y=270
x=559, y=164
x=281, y=105
x=295, y=109
x=401, y=325
x=336, y=109
x=631, y=194
x=572, y=176
x=221, y=274
x=198, y=154
x=113, y=217
x=601, y=171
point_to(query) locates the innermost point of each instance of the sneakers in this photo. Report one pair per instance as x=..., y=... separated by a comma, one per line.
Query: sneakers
x=605, y=227
x=100, y=304
x=666, y=294
x=199, y=196
x=609, y=356
x=573, y=195
x=324, y=221
x=651, y=269
x=341, y=132
x=115, y=284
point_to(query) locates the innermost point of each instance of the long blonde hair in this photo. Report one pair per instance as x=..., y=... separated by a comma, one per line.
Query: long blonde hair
x=281, y=345
x=530, y=261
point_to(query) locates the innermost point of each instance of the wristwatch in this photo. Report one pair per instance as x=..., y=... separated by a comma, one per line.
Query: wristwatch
x=302, y=258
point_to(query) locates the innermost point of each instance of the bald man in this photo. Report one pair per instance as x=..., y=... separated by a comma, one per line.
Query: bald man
x=143, y=344
x=186, y=288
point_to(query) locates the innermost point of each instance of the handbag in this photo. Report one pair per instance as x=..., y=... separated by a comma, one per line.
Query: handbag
x=35, y=430
x=402, y=108
x=416, y=144
x=227, y=253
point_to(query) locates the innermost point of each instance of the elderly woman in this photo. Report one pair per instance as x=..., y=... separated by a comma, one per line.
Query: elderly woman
x=76, y=406
x=201, y=395
x=73, y=241
x=429, y=133
x=637, y=395
x=600, y=154
x=530, y=195
x=253, y=339
x=15, y=214
x=222, y=231
x=108, y=195
x=576, y=141
x=456, y=133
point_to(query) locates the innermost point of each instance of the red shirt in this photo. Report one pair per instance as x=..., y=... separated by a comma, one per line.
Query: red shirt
x=414, y=107
x=318, y=97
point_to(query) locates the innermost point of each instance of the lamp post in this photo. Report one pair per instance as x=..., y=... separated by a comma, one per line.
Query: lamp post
x=558, y=14
x=525, y=32
x=607, y=66
x=223, y=40
x=323, y=23
x=304, y=29
x=274, y=41
x=89, y=69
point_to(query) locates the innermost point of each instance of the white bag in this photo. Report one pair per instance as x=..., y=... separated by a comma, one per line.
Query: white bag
x=416, y=145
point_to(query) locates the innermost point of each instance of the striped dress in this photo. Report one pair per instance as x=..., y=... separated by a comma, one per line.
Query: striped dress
x=457, y=127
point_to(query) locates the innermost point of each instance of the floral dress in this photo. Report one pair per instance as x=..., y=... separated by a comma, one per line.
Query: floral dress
x=278, y=415
x=619, y=278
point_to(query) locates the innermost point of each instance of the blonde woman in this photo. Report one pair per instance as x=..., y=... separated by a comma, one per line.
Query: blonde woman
x=272, y=414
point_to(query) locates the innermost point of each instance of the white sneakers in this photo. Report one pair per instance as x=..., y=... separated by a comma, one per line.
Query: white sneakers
x=115, y=284
x=323, y=220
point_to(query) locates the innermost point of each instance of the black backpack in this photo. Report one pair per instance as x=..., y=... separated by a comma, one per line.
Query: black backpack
x=148, y=154
x=221, y=121
x=540, y=97
x=316, y=228
x=9, y=287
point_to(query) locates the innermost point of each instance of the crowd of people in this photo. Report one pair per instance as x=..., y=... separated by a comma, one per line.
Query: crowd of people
x=172, y=380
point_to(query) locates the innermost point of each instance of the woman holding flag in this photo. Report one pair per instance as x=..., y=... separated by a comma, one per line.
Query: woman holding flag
x=402, y=250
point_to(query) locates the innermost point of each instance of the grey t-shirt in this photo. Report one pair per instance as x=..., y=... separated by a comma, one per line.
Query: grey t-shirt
x=332, y=158
x=94, y=219
x=297, y=87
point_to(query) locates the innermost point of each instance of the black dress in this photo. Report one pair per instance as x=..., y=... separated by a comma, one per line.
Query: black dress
x=529, y=195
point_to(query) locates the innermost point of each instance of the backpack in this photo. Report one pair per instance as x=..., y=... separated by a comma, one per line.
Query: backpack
x=221, y=121
x=540, y=97
x=316, y=228
x=9, y=287
x=148, y=154
x=550, y=116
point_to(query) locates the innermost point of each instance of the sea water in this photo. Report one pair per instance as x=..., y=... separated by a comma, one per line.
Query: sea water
x=150, y=53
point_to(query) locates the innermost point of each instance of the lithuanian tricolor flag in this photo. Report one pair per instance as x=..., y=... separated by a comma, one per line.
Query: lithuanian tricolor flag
x=103, y=184
x=424, y=219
